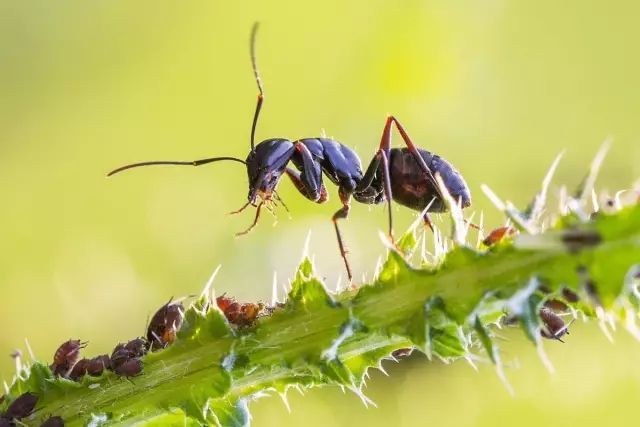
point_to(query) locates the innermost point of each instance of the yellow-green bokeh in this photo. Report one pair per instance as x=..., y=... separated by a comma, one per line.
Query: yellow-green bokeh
x=497, y=87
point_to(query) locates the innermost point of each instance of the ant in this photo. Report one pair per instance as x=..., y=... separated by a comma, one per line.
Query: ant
x=406, y=175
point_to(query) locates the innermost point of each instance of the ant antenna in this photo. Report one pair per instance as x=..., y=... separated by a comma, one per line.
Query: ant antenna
x=256, y=73
x=170, y=162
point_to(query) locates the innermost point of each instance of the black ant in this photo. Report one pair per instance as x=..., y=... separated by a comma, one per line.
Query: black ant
x=406, y=175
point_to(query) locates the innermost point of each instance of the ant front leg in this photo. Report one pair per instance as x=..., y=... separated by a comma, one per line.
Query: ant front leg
x=300, y=185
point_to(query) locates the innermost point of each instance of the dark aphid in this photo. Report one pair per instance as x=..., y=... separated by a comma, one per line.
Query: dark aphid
x=576, y=240
x=556, y=305
x=402, y=352
x=137, y=347
x=553, y=327
x=164, y=325
x=53, y=422
x=22, y=407
x=97, y=365
x=6, y=423
x=569, y=295
x=406, y=175
x=66, y=356
x=119, y=356
x=79, y=370
x=94, y=367
x=129, y=368
x=498, y=234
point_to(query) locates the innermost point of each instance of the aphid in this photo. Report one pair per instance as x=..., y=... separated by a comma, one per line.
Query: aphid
x=498, y=234
x=129, y=368
x=406, y=175
x=97, y=365
x=576, y=240
x=224, y=302
x=556, y=305
x=53, y=422
x=122, y=353
x=137, y=347
x=553, y=327
x=164, y=325
x=22, y=407
x=569, y=295
x=79, y=370
x=94, y=367
x=66, y=356
x=239, y=314
x=402, y=352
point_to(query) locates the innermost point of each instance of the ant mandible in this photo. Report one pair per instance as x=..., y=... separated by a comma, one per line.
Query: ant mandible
x=406, y=175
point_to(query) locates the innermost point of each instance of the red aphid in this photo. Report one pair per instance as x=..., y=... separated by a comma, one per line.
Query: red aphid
x=239, y=314
x=224, y=302
x=498, y=234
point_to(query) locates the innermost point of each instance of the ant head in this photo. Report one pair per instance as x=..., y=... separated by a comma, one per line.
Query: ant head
x=265, y=165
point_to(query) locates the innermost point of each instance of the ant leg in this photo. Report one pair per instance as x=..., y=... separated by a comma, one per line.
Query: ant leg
x=387, y=190
x=255, y=221
x=385, y=145
x=297, y=181
x=367, y=182
x=341, y=214
x=237, y=211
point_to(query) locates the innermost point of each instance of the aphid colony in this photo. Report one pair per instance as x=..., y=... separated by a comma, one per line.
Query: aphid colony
x=126, y=358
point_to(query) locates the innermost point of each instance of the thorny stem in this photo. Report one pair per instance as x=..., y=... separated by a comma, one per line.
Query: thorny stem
x=286, y=349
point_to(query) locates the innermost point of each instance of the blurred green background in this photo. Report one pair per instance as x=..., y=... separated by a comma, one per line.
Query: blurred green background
x=496, y=87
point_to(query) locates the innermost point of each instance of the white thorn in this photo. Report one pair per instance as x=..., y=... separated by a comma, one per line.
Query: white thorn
x=305, y=249
x=29, y=350
x=480, y=231
x=594, y=169
x=504, y=379
x=602, y=322
x=285, y=400
x=544, y=358
x=339, y=284
x=471, y=362
x=381, y=369
x=365, y=400
x=541, y=197
x=208, y=288
x=630, y=322
x=455, y=209
x=493, y=197
x=594, y=201
x=274, y=289
x=378, y=268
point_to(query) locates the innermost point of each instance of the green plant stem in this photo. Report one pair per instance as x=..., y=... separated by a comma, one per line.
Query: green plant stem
x=318, y=339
